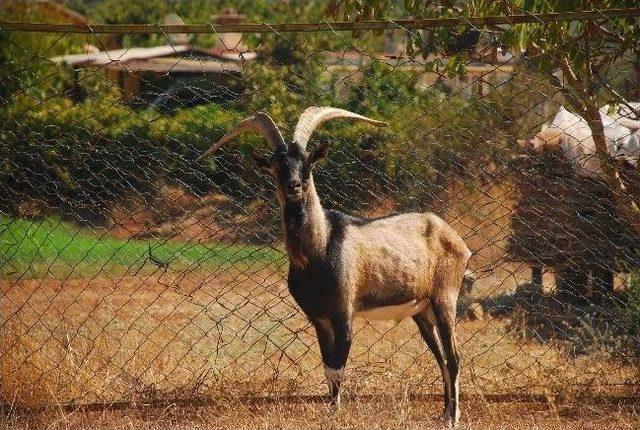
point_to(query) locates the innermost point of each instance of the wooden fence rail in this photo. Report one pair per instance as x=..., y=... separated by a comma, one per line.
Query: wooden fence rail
x=411, y=24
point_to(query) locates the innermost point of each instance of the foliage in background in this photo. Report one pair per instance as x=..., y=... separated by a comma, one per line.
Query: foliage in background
x=7, y=71
x=56, y=146
x=582, y=51
x=630, y=309
x=429, y=123
x=192, y=12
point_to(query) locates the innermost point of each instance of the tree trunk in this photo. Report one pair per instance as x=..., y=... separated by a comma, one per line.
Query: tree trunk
x=635, y=90
x=625, y=203
x=571, y=283
x=601, y=284
x=536, y=277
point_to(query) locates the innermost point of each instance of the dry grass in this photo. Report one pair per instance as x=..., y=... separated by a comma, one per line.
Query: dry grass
x=381, y=412
x=177, y=335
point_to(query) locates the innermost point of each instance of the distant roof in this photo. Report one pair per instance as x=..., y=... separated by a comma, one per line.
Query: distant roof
x=177, y=65
x=118, y=55
x=228, y=16
x=233, y=54
x=136, y=58
x=353, y=60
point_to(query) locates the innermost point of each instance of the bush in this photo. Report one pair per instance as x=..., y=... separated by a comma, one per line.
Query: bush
x=630, y=311
x=79, y=161
x=81, y=157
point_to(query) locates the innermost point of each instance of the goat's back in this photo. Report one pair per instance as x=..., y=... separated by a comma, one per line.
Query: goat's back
x=403, y=257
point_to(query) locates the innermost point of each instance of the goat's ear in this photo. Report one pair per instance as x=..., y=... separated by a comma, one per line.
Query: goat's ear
x=319, y=152
x=263, y=164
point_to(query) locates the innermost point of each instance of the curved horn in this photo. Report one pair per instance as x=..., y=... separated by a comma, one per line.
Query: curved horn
x=260, y=123
x=313, y=116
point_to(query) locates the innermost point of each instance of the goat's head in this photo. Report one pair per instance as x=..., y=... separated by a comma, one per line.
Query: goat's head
x=290, y=165
x=549, y=138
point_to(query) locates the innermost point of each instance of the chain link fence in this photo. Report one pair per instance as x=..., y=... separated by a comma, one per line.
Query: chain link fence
x=130, y=271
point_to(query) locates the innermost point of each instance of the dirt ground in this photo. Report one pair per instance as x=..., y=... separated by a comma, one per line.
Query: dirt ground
x=361, y=413
x=176, y=335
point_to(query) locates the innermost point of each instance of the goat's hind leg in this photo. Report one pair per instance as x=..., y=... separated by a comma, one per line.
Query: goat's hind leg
x=426, y=323
x=445, y=316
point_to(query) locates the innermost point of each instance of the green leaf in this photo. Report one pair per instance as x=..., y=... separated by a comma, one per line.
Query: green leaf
x=455, y=66
x=409, y=5
x=510, y=38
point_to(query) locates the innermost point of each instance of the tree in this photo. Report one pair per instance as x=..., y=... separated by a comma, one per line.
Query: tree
x=7, y=72
x=583, y=51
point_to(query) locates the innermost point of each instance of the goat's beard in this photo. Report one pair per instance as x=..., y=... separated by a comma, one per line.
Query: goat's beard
x=294, y=208
x=287, y=200
x=293, y=221
x=290, y=199
x=296, y=198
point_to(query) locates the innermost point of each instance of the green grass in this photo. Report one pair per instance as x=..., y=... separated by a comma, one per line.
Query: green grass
x=51, y=247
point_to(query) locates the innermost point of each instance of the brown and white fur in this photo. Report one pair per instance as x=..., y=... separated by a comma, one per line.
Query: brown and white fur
x=344, y=267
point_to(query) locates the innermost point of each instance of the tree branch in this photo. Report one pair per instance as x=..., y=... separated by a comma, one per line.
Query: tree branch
x=619, y=98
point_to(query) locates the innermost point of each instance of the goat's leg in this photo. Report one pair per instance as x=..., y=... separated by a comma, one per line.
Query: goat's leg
x=324, y=332
x=445, y=316
x=426, y=324
x=342, y=335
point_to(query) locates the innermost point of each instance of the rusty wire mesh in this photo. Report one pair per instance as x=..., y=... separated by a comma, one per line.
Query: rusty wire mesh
x=132, y=271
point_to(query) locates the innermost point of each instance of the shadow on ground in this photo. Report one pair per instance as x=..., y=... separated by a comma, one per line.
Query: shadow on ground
x=608, y=326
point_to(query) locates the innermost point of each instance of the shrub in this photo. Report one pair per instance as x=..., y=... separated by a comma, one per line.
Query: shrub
x=81, y=157
x=630, y=311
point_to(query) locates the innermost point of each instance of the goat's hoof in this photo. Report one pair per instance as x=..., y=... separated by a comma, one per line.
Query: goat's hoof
x=448, y=420
x=334, y=403
x=448, y=423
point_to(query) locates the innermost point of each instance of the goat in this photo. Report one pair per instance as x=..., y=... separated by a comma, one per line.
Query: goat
x=343, y=267
x=571, y=133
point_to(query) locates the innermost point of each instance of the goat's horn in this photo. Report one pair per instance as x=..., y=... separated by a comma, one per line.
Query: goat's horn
x=260, y=123
x=313, y=116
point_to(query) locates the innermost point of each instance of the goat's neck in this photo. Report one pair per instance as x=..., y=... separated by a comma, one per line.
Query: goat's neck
x=305, y=228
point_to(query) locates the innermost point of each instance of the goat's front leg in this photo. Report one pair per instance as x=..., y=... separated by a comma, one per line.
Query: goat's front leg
x=334, y=369
x=324, y=332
